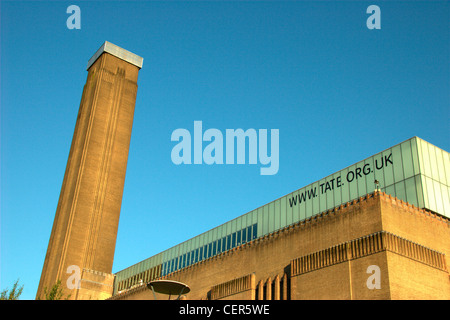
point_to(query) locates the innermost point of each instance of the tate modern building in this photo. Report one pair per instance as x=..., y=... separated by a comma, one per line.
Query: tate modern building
x=377, y=229
x=390, y=210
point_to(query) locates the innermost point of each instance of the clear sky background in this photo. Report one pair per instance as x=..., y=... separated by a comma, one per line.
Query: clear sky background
x=337, y=91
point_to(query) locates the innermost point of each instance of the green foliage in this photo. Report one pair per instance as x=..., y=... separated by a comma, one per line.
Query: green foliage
x=55, y=293
x=12, y=294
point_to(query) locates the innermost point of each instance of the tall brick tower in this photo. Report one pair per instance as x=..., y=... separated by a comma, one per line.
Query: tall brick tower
x=82, y=242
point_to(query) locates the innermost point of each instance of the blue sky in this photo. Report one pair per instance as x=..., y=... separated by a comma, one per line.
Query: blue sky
x=337, y=91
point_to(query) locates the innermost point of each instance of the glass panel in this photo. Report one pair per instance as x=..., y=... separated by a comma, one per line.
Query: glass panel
x=277, y=215
x=425, y=159
x=438, y=196
x=446, y=199
x=408, y=168
x=283, y=211
x=240, y=223
x=289, y=205
x=265, y=213
x=267, y=218
x=397, y=161
x=322, y=196
x=314, y=204
x=446, y=160
x=433, y=162
x=228, y=229
x=415, y=156
x=233, y=226
x=351, y=180
x=300, y=207
x=361, y=168
x=411, y=194
x=390, y=190
x=254, y=218
x=345, y=187
x=261, y=220
x=387, y=168
x=378, y=165
x=400, y=190
x=329, y=193
x=430, y=194
x=336, y=184
x=442, y=177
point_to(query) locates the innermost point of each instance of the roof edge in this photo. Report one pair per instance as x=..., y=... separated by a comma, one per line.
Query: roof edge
x=117, y=52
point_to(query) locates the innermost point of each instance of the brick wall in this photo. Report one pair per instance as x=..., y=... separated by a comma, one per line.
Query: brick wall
x=329, y=256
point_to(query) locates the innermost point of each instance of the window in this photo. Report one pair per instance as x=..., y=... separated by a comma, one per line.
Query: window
x=219, y=246
x=209, y=250
x=224, y=243
x=249, y=233
x=214, y=251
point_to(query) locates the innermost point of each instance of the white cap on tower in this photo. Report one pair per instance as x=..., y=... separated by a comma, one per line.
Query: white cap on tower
x=117, y=52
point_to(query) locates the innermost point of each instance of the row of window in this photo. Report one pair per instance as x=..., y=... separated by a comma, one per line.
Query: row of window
x=211, y=249
x=143, y=277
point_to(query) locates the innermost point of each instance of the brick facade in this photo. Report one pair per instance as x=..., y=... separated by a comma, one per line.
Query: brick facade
x=337, y=254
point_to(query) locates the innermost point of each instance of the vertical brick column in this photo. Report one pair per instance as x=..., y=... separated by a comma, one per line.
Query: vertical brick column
x=87, y=215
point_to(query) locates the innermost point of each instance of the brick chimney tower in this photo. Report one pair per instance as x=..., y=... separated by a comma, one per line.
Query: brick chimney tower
x=81, y=248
